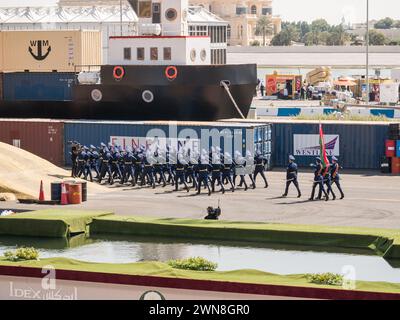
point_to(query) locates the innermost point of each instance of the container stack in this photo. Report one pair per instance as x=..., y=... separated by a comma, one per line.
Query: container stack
x=392, y=148
x=41, y=65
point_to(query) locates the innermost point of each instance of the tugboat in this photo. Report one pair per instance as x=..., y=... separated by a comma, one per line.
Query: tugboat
x=163, y=73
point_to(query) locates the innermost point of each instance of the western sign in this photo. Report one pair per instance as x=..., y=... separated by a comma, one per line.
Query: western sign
x=308, y=145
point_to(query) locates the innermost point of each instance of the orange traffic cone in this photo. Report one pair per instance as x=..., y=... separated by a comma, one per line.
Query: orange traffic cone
x=41, y=192
x=64, y=195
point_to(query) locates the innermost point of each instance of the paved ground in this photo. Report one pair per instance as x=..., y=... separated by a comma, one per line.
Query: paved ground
x=372, y=200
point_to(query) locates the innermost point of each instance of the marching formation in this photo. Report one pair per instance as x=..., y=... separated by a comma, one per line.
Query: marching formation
x=142, y=167
x=188, y=170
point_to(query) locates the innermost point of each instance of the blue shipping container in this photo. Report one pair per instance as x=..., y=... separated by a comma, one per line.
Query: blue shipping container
x=38, y=86
x=231, y=136
x=358, y=146
x=398, y=149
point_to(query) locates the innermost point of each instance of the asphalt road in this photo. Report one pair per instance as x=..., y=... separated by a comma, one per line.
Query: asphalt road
x=372, y=200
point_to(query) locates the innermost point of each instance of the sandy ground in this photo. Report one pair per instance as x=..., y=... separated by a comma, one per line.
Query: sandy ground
x=372, y=200
x=22, y=172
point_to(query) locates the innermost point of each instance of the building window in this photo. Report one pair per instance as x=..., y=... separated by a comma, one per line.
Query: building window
x=266, y=11
x=229, y=32
x=253, y=9
x=144, y=9
x=241, y=10
x=154, y=54
x=140, y=53
x=127, y=54
x=167, y=53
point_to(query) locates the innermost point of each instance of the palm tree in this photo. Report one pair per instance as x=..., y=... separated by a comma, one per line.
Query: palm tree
x=264, y=27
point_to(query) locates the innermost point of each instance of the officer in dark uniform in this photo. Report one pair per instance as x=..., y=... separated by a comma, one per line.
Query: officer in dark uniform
x=106, y=167
x=129, y=168
x=328, y=182
x=260, y=163
x=81, y=162
x=138, y=164
x=75, y=149
x=180, y=172
x=203, y=170
x=335, y=177
x=159, y=168
x=148, y=171
x=291, y=177
x=216, y=174
x=318, y=179
x=228, y=170
x=87, y=170
x=94, y=159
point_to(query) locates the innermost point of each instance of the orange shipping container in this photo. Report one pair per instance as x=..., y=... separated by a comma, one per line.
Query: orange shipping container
x=396, y=165
x=47, y=51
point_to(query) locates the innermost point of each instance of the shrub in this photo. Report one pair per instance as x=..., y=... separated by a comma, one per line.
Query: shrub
x=331, y=279
x=194, y=263
x=22, y=254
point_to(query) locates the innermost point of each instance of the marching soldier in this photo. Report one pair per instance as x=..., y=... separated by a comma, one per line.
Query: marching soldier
x=159, y=168
x=180, y=177
x=87, y=170
x=328, y=182
x=216, y=174
x=240, y=164
x=129, y=168
x=106, y=167
x=75, y=150
x=260, y=163
x=94, y=158
x=203, y=169
x=291, y=177
x=335, y=177
x=318, y=180
x=228, y=170
x=148, y=170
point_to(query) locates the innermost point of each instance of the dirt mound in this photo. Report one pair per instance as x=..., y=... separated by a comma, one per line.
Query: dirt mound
x=22, y=171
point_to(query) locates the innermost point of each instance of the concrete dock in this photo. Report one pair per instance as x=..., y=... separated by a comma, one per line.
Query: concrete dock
x=372, y=200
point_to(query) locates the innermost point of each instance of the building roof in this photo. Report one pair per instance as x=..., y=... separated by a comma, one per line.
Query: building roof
x=88, y=14
x=95, y=14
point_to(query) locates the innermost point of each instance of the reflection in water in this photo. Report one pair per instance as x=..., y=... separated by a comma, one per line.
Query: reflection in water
x=229, y=256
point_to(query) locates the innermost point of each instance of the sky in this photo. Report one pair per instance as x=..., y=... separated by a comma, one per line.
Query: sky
x=294, y=10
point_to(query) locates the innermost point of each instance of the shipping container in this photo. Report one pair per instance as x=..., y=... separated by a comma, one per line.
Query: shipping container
x=357, y=145
x=47, y=51
x=38, y=86
x=43, y=138
x=1, y=52
x=230, y=137
x=398, y=149
x=1, y=85
x=396, y=165
x=390, y=148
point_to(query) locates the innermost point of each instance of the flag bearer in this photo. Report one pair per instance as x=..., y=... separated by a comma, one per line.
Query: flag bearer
x=335, y=177
x=328, y=182
x=318, y=179
x=291, y=177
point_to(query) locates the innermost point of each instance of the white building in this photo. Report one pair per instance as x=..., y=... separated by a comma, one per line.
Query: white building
x=106, y=16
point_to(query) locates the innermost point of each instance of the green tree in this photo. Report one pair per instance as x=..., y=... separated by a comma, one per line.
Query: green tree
x=282, y=39
x=320, y=25
x=377, y=38
x=338, y=36
x=385, y=23
x=264, y=27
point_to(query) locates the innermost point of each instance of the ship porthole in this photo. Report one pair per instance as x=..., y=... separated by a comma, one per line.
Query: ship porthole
x=148, y=96
x=193, y=55
x=203, y=55
x=96, y=95
x=171, y=14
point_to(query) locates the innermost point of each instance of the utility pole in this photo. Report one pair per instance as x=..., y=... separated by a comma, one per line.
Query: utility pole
x=367, y=56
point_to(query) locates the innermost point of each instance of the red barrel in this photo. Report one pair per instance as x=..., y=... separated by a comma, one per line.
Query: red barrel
x=396, y=165
x=75, y=193
x=390, y=148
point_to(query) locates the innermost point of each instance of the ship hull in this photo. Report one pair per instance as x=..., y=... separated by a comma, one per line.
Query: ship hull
x=195, y=94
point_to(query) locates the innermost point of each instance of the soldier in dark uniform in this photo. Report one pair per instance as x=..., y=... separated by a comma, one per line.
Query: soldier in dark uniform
x=81, y=162
x=327, y=181
x=138, y=164
x=228, y=170
x=216, y=174
x=106, y=167
x=94, y=158
x=291, y=177
x=75, y=149
x=87, y=170
x=159, y=168
x=203, y=168
x=115, y=164
x=318, y=180
x=335, y=177
x=260, y=163
x=148, y=170
x=240, y=164
x=129, y=168
x=180, y=172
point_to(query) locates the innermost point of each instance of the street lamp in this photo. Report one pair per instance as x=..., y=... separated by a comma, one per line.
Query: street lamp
x=367, y=56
